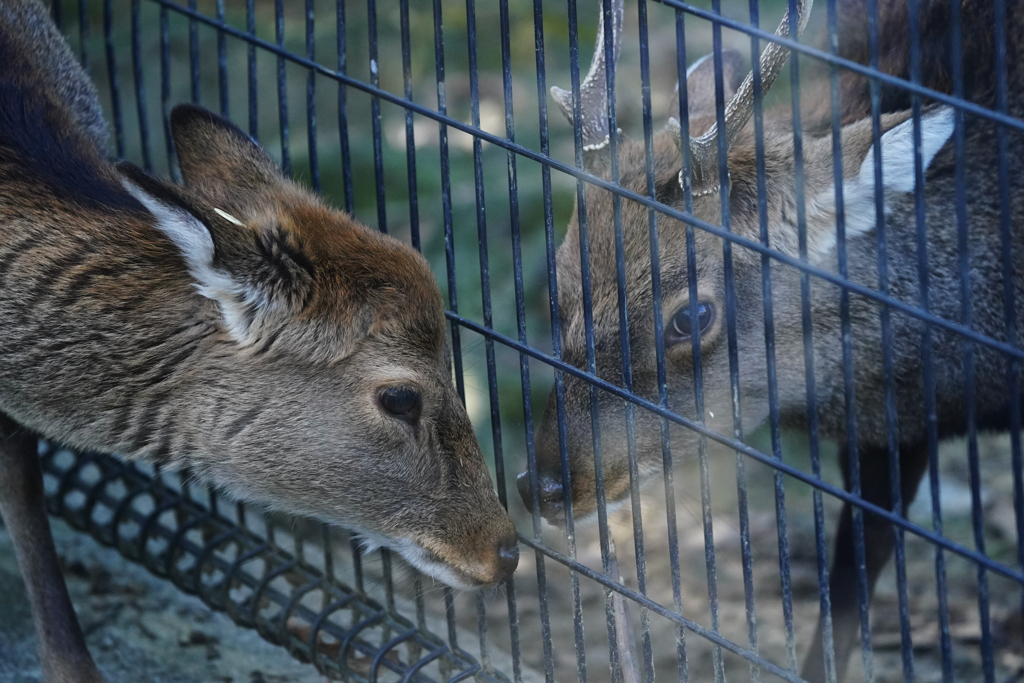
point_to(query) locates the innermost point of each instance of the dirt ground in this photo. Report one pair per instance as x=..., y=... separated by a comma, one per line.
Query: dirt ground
x=140, y=628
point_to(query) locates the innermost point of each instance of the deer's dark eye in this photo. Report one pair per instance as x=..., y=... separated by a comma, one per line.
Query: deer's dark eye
x=402, y=402
x=680, y=328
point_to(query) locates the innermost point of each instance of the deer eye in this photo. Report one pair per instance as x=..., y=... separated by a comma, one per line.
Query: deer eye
x=680, y=328
x=402, y=402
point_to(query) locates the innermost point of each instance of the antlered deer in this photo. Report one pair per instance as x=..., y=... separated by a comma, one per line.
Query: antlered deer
x=235, y=325
x=703, y=324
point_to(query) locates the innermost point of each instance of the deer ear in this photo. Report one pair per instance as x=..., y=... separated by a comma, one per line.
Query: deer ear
x=220, y=163
x=700, y=84
x=859, y=182
x=258, y=274
x=897, y=146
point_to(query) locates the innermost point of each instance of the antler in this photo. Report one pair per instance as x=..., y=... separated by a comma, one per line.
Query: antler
x=594, y=88
x=704, y=149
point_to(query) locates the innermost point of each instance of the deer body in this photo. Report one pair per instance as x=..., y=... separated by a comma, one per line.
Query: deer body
x=235, y=325
x=703, y=326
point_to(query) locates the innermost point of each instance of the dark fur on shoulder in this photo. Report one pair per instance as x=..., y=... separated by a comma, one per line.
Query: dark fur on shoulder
x=937, y=51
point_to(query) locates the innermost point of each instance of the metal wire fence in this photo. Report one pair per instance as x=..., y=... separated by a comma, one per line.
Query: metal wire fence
x=460, y=160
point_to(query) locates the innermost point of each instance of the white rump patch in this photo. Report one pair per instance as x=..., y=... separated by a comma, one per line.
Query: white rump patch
x=193, y=238
x=898, y=172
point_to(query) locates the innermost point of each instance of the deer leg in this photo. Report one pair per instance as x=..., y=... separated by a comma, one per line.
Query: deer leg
x=878, y=545
x=62, y=650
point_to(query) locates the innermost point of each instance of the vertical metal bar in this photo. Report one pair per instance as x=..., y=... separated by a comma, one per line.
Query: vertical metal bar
x=624, y=340
x=485, y=293
x=327, y=545
x=346, y=157
x=314, y=162
x=659, y=339
x=250, y=26
x=410, y=129
x=115, y=87
x=524, y=364
x=686, y=176
x=282, y=90
x=193, y=53
x=782, y=527
x=449, y=614
x=165, y=85
x=83, y=33
x=730, y=317
x=378, y=152
x=892, y=433
x=506, y=80
x=446, y=197
x=140, y=89
x=389, y=584
x=487, y=316
x=846, y=336
x=563, y=441
x=357, y=565
x=614, y=658
x=825, y=601
x=769, y=332
x=222, y=63
x=966, y=318
x=1009, y=295
x=449, y=239
x=945, y=643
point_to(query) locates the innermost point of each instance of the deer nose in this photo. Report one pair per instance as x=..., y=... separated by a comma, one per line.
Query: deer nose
x=549, y=490
x=508, y=557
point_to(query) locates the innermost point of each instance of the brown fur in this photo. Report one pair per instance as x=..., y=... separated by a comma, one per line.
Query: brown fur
x=235, y=325
x=987, y=291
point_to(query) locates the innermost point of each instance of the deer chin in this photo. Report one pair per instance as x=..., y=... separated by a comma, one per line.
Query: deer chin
x=423, y=559
x=589, y=516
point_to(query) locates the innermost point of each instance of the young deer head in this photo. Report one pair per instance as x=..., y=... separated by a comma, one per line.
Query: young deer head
x=326, y=388
x=236, y=325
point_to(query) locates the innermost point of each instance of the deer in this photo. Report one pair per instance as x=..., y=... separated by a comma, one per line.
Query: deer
x=699, y=332
x=234, y=324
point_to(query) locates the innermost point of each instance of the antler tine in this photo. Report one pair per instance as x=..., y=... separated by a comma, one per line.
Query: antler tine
x=593, y=89
x=704, y=149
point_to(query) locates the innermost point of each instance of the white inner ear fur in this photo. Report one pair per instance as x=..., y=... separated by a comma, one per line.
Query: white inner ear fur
x=898, y=172
x=193, y=239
